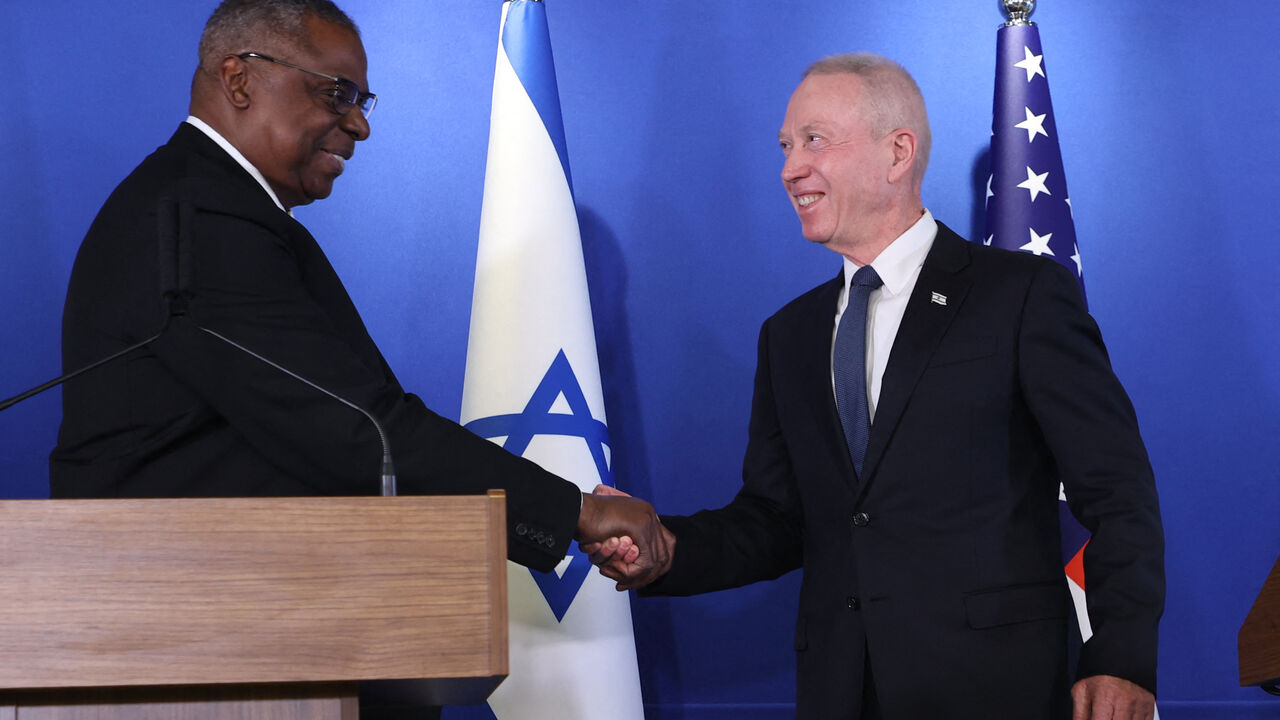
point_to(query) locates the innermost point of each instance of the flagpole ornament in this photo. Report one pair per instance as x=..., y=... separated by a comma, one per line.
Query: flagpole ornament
x=1018, y=11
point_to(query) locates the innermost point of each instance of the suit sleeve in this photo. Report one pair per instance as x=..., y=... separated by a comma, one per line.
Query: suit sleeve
x=1090, y=425
x=247, y=285
x=757, y=536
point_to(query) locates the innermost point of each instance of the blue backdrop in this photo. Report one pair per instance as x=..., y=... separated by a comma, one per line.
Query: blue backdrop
x=1167, y=114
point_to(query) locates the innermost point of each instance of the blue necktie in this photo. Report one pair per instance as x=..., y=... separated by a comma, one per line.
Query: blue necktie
x=849, y=365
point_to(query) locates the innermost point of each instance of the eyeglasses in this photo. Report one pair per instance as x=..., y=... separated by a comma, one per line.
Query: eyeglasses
x=345, y=94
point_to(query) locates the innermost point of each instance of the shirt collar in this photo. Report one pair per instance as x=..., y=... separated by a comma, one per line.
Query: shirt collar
x=897, y=264
x=231, y=150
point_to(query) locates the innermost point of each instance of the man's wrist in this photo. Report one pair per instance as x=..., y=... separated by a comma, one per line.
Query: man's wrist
x=586, y=513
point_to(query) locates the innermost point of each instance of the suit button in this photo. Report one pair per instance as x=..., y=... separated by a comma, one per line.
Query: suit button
x=522, y=529
x=861, y=519
x=852, y=602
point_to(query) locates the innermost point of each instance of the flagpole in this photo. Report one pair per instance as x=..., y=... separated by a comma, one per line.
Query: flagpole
x=532, y=384
x=1029, y=209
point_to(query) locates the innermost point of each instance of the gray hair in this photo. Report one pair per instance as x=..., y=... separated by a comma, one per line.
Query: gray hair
x=238, y=26
x=893, y=100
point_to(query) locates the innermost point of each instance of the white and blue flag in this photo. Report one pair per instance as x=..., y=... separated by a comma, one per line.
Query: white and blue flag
x=533, y=386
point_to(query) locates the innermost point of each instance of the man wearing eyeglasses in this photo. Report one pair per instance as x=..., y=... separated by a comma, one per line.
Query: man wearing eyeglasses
x=199, y=240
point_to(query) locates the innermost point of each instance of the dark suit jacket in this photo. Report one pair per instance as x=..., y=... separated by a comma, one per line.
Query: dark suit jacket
x=942, y=564
x=190, y=416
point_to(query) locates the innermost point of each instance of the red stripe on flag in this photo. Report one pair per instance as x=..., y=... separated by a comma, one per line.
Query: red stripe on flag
x=1075, y=567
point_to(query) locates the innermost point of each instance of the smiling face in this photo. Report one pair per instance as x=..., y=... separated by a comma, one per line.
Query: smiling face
x=298, y=142
x=837, y=173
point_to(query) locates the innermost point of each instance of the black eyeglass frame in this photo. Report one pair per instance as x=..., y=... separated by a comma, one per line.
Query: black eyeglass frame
x=347, y=96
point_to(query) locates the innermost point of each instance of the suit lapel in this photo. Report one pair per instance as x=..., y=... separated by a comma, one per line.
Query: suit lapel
x=923, y=324
x=816, y=325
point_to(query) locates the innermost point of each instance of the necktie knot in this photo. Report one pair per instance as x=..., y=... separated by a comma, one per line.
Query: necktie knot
x=866, y=276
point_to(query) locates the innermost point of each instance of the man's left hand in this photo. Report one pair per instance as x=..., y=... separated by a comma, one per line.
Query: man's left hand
x=1107, y=697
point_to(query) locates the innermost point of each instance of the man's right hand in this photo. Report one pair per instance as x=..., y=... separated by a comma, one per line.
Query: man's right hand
x=624, y=537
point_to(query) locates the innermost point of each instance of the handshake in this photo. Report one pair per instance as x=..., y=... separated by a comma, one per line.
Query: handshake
x=624, y=538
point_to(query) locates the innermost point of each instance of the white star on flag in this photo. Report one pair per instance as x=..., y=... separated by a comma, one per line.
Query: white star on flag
x=1039, y=243
x=1030, y=63
x=1010, y=215
x=1035, y=184
x=1034, y=125
x=989, y=193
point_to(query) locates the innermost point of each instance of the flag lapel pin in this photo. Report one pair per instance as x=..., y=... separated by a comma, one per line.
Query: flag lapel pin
x=937, y=298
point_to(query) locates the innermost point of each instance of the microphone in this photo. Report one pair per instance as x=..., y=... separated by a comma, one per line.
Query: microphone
x=388, y=469
x=175, y=280
x=59, y=380
x=173, y=217
x=169, y=261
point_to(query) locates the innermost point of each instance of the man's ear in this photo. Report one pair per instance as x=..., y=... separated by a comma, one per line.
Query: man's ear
x=903, y=144
x=233, y=82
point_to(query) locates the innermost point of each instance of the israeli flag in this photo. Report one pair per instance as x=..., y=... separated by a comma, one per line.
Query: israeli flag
x=533, y=386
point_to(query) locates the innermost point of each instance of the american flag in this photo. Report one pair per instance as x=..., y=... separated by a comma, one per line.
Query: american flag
x=1028, y=208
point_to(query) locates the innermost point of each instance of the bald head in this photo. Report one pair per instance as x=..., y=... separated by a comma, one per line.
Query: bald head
x=891, y=99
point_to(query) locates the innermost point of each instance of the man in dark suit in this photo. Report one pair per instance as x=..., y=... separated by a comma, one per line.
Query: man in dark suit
x=200, y=237
x=929, y=541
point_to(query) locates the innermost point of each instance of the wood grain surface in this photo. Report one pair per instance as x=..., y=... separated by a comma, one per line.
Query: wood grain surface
x=1258, y=643
x=100, y=593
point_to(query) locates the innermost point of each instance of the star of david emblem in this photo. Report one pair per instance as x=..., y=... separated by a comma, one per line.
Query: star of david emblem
x=560, y=586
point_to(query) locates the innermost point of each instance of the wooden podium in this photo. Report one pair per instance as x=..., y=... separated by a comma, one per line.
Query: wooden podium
x=276, y=608
x=1258, y=643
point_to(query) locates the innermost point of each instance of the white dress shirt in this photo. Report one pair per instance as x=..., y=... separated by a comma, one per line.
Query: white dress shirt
x=215, y=136
x=899, y=267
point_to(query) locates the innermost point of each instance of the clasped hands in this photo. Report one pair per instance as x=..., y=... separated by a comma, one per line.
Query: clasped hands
x=624, y=538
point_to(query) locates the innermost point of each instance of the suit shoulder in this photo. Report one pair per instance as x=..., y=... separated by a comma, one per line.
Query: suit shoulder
x=811, y=301
x=153, y=178
x=1010, y=270
x=1011, y=262
x=1005, y=260
x=188, y=169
